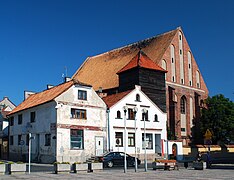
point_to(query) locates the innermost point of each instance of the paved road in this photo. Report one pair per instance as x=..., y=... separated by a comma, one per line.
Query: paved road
x=118, y=174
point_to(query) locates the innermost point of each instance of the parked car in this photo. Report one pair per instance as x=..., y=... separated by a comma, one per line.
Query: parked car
x=117, y=159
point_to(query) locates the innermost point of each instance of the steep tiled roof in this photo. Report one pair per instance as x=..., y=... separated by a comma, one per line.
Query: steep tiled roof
x=114, y=98
x=100, y=70
x=43, y=97
x=141, y=60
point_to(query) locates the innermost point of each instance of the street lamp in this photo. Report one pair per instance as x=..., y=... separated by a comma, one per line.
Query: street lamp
x=135, y=111
x=144, y=111
x=125, y=108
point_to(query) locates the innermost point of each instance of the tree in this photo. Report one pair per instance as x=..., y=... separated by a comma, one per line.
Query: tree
x=218, y=117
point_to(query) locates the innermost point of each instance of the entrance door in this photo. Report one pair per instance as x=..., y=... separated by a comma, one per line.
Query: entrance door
x=158, y=148
x=99, y=145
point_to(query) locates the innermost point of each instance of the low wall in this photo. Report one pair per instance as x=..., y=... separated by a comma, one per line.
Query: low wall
x=218, y=153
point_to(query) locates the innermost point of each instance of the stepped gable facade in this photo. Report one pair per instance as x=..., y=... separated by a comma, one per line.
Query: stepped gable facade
x=184, y=85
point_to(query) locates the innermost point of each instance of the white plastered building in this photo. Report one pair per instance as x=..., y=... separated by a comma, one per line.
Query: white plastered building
x=67, y=123
x=153, y=124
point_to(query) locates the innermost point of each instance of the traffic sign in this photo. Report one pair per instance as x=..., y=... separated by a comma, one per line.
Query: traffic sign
x=208, y=135
x=21, y=142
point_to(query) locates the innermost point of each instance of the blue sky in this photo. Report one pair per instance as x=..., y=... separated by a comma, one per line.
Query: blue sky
x=39, y=38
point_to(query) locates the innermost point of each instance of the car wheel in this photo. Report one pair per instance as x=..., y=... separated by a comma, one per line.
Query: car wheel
x=110, y=164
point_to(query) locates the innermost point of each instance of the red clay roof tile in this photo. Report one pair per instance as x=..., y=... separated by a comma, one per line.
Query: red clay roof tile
x=42, y=97
x=114, y=98
x=141, y=60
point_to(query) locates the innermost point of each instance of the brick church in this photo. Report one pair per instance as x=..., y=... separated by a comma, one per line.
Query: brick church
x=176, y=85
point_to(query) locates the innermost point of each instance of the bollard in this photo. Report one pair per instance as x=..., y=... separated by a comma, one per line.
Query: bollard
x=90, y=168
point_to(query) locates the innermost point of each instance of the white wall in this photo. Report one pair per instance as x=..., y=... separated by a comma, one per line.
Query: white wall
x=96, y=118
x=45, y=115
x=58, y=113
x=117, y=125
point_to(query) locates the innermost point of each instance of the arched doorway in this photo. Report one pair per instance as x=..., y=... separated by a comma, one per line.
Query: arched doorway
x=174, y=151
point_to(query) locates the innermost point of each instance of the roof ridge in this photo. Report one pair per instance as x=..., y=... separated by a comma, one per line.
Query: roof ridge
x=135, y=43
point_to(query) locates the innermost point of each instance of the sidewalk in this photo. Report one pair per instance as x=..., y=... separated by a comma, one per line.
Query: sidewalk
x=118, y=174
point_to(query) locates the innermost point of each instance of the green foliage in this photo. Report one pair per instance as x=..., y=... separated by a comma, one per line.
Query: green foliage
x=65, y=162
x=11, y=162
x=1, y=162
x=218, y=116
x=19, y=162
x=57, y=162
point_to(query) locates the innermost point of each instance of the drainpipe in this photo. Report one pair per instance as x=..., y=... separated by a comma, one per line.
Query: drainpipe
x=108, y=124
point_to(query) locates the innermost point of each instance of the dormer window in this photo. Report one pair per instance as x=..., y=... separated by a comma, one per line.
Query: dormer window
x=138, y=97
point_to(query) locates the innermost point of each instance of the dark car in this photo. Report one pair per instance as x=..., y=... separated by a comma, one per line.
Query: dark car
x=117, y=159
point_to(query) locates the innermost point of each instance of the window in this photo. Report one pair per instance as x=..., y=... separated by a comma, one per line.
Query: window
x=27, y=139
x=78, y=113
x=47, y=139
x=119, y=139
x=11, y=121
x=11, y=140
x=138, y=97
x=130, y=114
x=198, y=79
x=156, y=118
x=77, y=139
x=82, y=95
x=20, y=118
x=131, y=139
x=183, y=129
x=183, y=105
x=19, y=139
x=118, y=115
x=172, y=60
x=148, y=141
x=32, y=116
x=145, y=116
x=180, y=51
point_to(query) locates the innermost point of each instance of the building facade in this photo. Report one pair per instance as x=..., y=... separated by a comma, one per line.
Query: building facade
x=184, y=85
x=6, y=106
x=67, y=123
x=152, y=124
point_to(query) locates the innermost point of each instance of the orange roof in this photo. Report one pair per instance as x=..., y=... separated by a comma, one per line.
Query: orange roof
x=141, y=60
x=43, y=97
x=114, y=98
x=100, y=70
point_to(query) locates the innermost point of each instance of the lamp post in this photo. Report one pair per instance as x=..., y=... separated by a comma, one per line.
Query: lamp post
x=108, y=124
x=125, y=108
x=145, y=158
x=29, y=152
x=135, y=111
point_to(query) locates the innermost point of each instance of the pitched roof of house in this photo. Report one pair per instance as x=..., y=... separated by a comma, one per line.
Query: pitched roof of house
x=45, y=96
x=141, y=60
x=114, y=98
x=4, y=112
x=100, y=70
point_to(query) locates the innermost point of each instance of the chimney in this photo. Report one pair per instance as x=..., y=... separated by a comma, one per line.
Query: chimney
x=49, y=86
x=27, y=94
x=66, y=79
x=100, y=90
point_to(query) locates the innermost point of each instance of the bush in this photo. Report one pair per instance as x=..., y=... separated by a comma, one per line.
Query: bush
x=65, y=162
x=2, y=162
x=19, y=162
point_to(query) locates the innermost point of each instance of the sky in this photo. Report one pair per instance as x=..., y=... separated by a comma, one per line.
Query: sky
x=42, y=39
